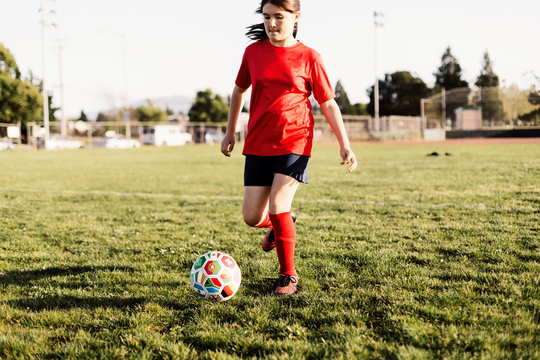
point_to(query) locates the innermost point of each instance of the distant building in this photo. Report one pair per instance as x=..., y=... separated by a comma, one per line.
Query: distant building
x=468, y=118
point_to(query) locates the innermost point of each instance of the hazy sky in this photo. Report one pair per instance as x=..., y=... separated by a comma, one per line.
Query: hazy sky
x=177, y=47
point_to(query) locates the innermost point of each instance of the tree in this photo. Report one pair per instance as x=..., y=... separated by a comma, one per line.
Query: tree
x=534, y=97
x=448, y=75
x=38, y=84
x=531, y=118
x=52, y=108
x=343, y=100
x=8, y=65
x=400, y=94
x=517, y=105
x=361, y=109
x=208, y=107
x=150, y=113
x=20, y=100
x=487, y=76
x=101, y=117
x=490, y=100
x=83, y=116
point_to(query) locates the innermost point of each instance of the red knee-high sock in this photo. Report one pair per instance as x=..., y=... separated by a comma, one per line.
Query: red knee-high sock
x=285, y=235
x=265, y=223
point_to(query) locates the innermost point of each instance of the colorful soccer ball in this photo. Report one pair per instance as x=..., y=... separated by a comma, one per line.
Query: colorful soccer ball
x=215, y=276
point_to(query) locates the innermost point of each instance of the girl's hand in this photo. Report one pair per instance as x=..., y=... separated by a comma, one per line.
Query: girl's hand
x=227, y=144
x=347, y=155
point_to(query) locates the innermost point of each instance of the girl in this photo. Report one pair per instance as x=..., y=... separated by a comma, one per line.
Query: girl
x=283, y=73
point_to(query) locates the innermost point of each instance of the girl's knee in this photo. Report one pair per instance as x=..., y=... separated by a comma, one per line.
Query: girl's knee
x=251, y=220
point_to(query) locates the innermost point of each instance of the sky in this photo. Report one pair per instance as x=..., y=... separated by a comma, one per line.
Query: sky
x=117, y=49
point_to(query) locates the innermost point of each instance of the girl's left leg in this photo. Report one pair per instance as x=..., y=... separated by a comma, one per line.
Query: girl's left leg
x=281, y=196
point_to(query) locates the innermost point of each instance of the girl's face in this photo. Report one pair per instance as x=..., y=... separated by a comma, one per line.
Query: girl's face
x=279, y=25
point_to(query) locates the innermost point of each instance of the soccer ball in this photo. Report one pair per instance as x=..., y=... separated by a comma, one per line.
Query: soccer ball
x=215, y=276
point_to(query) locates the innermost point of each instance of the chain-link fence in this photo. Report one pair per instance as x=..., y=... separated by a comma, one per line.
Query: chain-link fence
x=359, y=128
x=472, y=109
x=93, y=134
x=455, y=109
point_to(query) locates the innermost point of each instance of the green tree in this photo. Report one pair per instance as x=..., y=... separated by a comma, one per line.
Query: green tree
x=208, y=107
x=490, y=99
x=531, y=118
x=83, y=116
x=343, y=100
x=487, y=76
x=38, y=83
x=20, y=100
x=448, y=75
x=52, y=109
x=150, y=113
x=517, y=105
x=101, y=117
x=8, y=65
x=361, y=109
x=534, y=97
x=400, y=94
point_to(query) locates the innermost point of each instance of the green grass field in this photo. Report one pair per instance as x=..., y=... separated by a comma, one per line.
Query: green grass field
x=410, y=257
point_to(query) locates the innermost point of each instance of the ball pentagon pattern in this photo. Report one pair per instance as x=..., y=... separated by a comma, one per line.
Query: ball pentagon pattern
x=215, y=276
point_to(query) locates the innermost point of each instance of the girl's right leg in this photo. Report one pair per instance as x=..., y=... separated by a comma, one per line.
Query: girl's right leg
x=255, y=206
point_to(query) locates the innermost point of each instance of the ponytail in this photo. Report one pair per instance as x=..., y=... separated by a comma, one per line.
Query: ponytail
x=257, y=32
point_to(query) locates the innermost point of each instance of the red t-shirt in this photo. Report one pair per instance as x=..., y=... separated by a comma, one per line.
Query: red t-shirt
x=283, y=78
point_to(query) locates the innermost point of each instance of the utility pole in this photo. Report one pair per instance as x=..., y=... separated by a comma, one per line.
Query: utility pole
x=63, y=120
x=44, y=94
x=377, y=24
x=44, y=22
x=126, y=101
x=443, y=106
x=423, y=115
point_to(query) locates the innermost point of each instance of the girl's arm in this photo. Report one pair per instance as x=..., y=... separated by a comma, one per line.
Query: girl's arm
x=330, y=110
x=237, y=99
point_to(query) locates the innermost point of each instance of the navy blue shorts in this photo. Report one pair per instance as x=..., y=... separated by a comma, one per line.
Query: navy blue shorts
x=260, y=170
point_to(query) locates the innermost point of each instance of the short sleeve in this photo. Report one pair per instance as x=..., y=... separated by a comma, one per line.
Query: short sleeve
x=320, y=84
x=243, y=79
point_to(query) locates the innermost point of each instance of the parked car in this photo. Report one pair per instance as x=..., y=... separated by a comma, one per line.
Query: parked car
x=6, y=145
x=115, y=141
x=169, y=135
x=213, y=136
x=57, y=142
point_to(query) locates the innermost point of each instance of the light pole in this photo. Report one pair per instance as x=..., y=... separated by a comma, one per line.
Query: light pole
x=63, y=120
x=43, y=23
x=377, y=24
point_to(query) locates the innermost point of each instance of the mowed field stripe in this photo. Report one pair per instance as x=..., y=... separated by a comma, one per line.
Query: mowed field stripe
x=478, y=207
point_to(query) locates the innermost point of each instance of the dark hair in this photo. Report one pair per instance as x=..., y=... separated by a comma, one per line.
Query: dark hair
x=257, y=31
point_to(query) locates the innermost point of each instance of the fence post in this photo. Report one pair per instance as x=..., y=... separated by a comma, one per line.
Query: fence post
x=422, y=116
x=443, y=105
x=89, y=134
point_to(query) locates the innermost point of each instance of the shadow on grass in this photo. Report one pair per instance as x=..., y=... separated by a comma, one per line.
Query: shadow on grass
x=25, y=277
x=258, y=287
x=379, y=310
x=21, y=277
x=67, y=302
